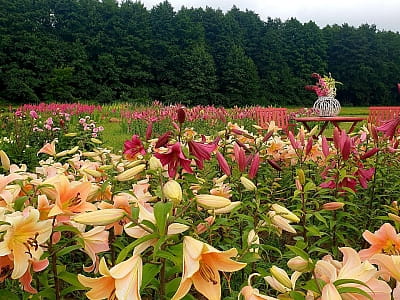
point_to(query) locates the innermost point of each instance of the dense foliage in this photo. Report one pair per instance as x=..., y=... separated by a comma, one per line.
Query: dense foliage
x=69, y=50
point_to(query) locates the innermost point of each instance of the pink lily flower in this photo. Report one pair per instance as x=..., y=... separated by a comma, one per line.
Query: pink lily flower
x=201, y=151
x=389, y=127
x=133, y=147
x=174, y=158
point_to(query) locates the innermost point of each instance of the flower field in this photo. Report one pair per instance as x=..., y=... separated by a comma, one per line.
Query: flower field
x=201, y=203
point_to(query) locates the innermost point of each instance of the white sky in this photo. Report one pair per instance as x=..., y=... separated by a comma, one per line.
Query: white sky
x=385, y=14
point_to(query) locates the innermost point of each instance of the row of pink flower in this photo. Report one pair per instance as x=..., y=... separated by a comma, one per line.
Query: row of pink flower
x=71, y=108
x=199, y=112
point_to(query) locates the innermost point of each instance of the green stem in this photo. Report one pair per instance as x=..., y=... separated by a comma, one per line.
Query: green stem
x=54, y=264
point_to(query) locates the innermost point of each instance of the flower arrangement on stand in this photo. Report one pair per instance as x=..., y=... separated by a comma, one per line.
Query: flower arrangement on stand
x=325, y=88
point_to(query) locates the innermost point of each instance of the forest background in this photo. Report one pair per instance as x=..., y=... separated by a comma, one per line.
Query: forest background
x=106, y=51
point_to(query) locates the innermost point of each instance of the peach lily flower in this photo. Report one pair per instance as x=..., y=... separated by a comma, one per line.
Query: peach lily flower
x=351, y=268
x=95, y=241
x=384, y=240
x=121, y=282
x=201, y=263
x=49, y=148
x=23, y=239
x=71, y=197
x=250, y=293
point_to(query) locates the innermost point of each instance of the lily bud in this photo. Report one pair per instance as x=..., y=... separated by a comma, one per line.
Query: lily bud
x=90, y=154
x=325, y=146
x=96, y=141
x=92, y=172
x=223, y=163
x=130, y=173
x=333, y=205
x=62, y=153
x=370, y=153
x=309, y=145
x=253, y=239
x=162, y=140
x=248, y=184
x=212, y=202
x=154, y=163
x=285, y=213
x=5, y=161
x=173, y=192
x=394, y=217
x=181, y=115
x=149, y=131
x=281, y=275
x=100, y=217
x=267, y=136
x=226, y=209
x=274, y=165
x=255, y=164
x=134, y=163
x=221, y=179
x=71, y=134
x=73, y=150
x=298, y=264
x=301, y=176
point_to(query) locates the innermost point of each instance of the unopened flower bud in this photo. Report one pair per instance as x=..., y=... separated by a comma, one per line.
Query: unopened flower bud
x=253, y=239
x=212, y=202
x=91, y=172
x=301, y=176
x=71, y=134
x=281, y=275
x=394, y=217
x=73, y=150
x=96, y=141
x=181, y=115
x=298, y=264
x=285, y=213
x=226, y=209
x=62, y=153
x=333, y=205
x=248, y=184
x=130, y=173
x=100, y=217
x=173, y=192
x=5, y=161
x=154, y=163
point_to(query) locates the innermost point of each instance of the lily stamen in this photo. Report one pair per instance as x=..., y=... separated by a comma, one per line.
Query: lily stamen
x=77, y=200
x=207, y=273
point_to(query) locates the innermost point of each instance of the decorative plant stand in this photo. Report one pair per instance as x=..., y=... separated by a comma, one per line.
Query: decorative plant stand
x=327, y=106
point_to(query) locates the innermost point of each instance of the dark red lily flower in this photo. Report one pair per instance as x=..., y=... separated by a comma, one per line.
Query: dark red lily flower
x=163, y=140
x=223, y=163
x=133, y=147
x=389, y=127
x=201, y=151
x=174, y=158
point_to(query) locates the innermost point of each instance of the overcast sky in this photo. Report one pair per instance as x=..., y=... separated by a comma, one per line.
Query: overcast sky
x=385, y=14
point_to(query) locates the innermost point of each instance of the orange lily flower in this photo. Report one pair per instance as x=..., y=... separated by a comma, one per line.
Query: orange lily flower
x=49, y=148
x=201, y=263
x=23, y=238
x=384, y=240
x=121, y=282
x=71, y=197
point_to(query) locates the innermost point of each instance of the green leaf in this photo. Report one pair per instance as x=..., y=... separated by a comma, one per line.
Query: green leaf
x=71, y=278
x=297, y=295
x=164, y=254
x=344, y=281
x=19, y=203
x=319, y=217
x=67, y=250
x=313, y=286
x=299, y=252
x=149, y=273
x=5, y=294
x=67, y=228
x=161, y=212
x=353, y=290
x=122, y=255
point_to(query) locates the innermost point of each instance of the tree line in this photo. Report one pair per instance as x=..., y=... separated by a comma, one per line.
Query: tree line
x=106, y=51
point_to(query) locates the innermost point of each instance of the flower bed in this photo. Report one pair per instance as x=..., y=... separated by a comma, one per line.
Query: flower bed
x=188, y=213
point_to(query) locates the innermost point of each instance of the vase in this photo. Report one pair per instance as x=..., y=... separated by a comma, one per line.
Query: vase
x=327, y=106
